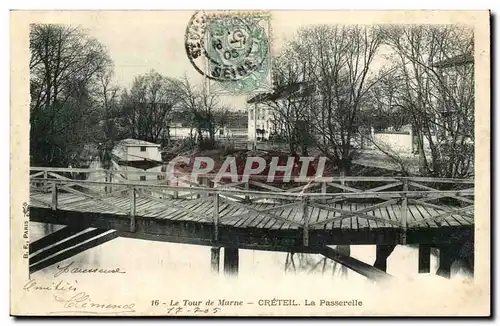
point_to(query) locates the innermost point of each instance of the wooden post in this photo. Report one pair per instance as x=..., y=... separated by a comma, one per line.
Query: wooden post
x=305, y=218
x=44, y=184
x=54, y=197
x=110, y=179
x=404, y=212
x=323, y=190
x=424, y=258
x=132, y=209
x=247, y=187
x=215, y=259
x=175, y=193
x=445, y=262
x=382, y=253
x=216, y=217
x=231, y=261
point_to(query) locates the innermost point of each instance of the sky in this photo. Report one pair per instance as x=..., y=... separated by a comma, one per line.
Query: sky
x=139, y=41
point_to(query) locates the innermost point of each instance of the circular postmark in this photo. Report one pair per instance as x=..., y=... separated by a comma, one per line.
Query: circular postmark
x=232, y=50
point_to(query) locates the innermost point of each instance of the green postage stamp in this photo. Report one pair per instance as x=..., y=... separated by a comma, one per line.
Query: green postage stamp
x=231, y=50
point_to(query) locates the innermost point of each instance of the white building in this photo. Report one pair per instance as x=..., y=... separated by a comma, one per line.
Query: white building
x=260, y=122
x=134, y=150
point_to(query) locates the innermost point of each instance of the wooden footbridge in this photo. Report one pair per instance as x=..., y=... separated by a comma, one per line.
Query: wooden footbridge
x=97, y=206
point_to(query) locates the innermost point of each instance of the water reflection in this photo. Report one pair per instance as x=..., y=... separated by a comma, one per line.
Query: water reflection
x=143, y=257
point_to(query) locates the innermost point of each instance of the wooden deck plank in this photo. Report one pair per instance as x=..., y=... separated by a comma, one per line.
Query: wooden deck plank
x=292, y=214
x=253, y=217
x=372, y=224
x=469, y=220
x=249, y=215
x=88, y=206
x=222, y=207
x=374, y=214
x=251, y=222
x=201, y=211
x=463, y=220
x=263, y=219
x=384, y=215
x=459, y=218
x=336, y=224
x=322, y=216
x=274, y=223
x=156, y=210
x=424, y=214
x=183, y=212
x=175, y=213
x=430, y=212
x=270, y=221
x=448, y=220
x=120, y=202
x=354, y=219
x=314, y=214
x=414, y=215
x=329, y=225
x=362, y=222
x=395, y=214
x=241, y=210
x=246, y=220
x=228, y=211
x=455, y=219
x=164, y=209
x=66, y=199
x=151, y=208
x=346, y=222
x=141, y=204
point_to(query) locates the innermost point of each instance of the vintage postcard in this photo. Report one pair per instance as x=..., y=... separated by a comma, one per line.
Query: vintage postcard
x=250, y=163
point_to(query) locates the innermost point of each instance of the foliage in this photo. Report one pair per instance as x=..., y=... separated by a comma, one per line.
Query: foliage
x=65, y=66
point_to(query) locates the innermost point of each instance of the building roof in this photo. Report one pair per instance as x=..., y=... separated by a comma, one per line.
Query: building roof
x=458, y=60
x=137, y=142
x=300, y=89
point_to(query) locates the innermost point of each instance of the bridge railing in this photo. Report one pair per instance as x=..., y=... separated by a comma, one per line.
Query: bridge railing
x=294, y=203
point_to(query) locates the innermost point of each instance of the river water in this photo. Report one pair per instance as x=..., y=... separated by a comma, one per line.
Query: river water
x=166, y=271
x=140, y=255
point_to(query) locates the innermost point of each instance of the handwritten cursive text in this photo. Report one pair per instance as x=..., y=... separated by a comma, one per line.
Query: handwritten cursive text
x=34, y=285
x=77, y=270
x=82, y=302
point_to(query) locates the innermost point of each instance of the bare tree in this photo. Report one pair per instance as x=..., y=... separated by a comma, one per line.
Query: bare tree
x=64, y=66
x=109, y=102
x=436, y=87
x=148, y=106
x=290, y=101
x=206, y=114
x=338, y=60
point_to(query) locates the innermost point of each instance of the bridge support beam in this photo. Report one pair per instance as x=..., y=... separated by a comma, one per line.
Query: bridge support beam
x=424, y=258
x=446, y=259
x=231, y=261
x=383, y=252
x=215, y=259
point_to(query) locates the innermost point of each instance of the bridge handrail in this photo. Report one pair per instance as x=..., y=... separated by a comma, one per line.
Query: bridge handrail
x=294, y=196
x=211, y=176
x=285, y=194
